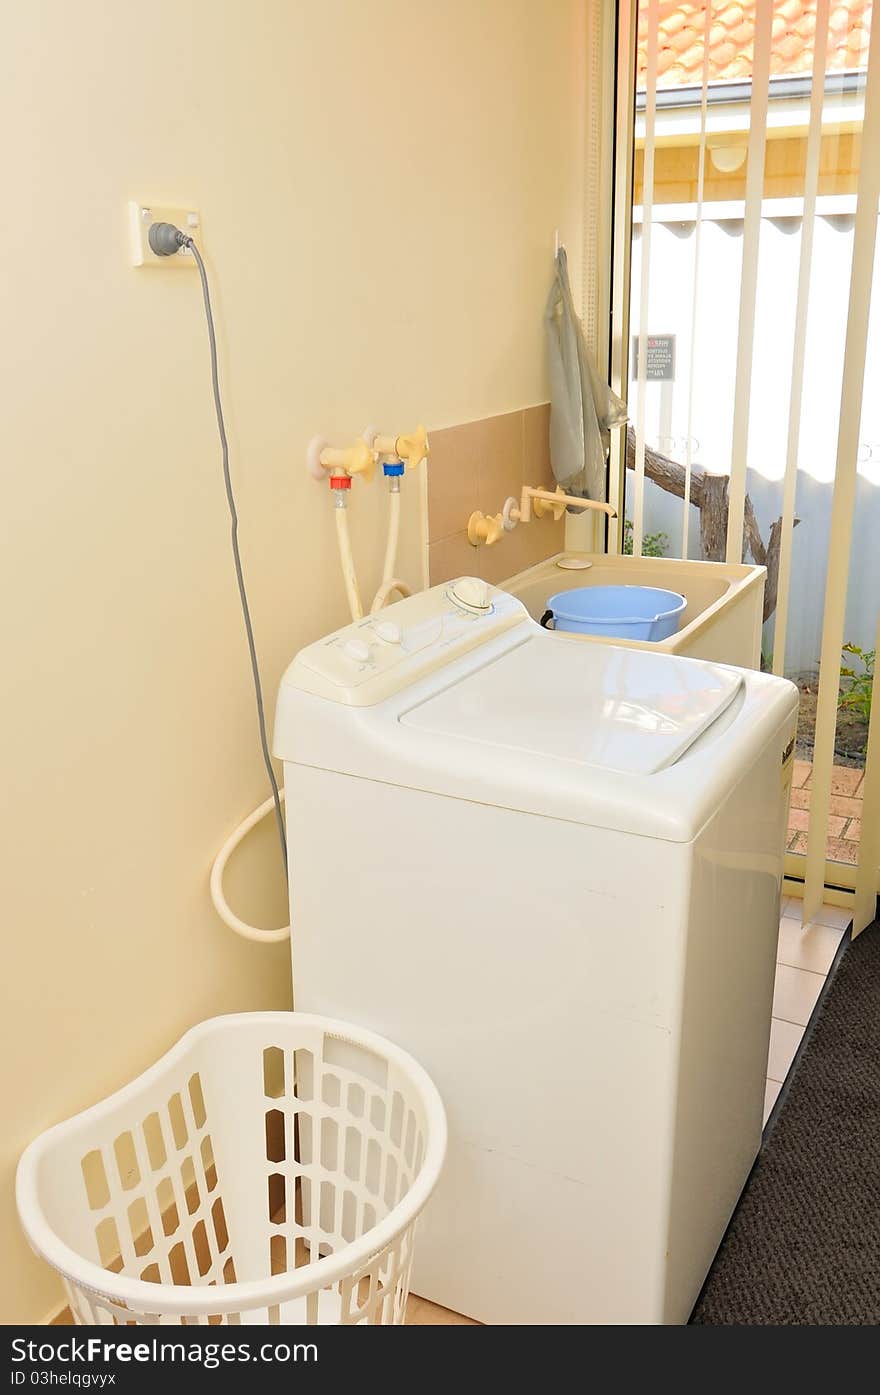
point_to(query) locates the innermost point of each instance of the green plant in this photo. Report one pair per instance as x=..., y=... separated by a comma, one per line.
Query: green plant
x=856, y=695
x=653, y=544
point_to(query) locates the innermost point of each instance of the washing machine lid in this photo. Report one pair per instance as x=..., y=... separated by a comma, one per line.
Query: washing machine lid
x=623, y=710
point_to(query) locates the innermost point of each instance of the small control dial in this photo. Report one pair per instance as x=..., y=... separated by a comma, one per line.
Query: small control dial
x=387, y=630
x=357, y=649
x=471, y=594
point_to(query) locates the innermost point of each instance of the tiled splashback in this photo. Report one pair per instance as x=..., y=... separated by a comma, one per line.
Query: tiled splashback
x=476, y=466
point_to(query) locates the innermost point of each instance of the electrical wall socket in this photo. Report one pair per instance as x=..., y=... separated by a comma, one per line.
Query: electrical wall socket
x=141, y=215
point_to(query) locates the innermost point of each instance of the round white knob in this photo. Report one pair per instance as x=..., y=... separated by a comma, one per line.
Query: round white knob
x=356, y=649
x=387, y=630
x=470, y=593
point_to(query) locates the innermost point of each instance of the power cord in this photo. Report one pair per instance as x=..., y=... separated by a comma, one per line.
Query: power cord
x=165, y=240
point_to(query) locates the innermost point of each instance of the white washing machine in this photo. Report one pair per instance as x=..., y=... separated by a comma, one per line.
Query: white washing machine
x=551, y=871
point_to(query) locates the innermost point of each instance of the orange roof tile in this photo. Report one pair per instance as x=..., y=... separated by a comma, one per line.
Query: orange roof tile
x=731, y=39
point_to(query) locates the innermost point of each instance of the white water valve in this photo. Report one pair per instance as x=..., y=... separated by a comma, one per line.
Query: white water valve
x=142, y=215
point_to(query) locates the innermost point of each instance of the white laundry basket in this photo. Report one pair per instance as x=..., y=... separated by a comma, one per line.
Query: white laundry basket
x=269, y=1168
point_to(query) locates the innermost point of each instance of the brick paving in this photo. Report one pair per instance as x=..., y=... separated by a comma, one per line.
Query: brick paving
x=844, y=816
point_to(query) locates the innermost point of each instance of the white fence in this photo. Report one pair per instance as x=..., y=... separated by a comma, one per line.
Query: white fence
x=710, y=337
x=809, y=558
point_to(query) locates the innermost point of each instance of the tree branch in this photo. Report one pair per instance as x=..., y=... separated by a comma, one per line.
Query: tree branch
x=666, y=473
x=709, y=494
x=752, y=534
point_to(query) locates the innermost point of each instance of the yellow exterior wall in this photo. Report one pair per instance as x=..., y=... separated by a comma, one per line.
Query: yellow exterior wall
x=379, y=185
x=676, y=169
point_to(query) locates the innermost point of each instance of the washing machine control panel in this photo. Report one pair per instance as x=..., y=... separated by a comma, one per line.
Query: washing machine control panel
x=382, y=654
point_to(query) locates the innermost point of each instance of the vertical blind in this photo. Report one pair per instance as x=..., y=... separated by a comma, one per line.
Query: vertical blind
x=851, y=394
x=640, y=23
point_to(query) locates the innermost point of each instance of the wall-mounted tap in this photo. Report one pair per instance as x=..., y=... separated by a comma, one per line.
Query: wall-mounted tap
x=489, y=529
x=411, y=449
x=357, y=459
x=541, y=502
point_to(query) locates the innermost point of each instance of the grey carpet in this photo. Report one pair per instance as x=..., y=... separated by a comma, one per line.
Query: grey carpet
x=803, y=1247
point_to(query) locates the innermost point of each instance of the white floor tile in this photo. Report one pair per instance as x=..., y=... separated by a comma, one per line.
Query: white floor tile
x=795, y=993
x=771, y=1091
x=836, y=917
x=785, y=1038
x=813, y=948
x=784, y=904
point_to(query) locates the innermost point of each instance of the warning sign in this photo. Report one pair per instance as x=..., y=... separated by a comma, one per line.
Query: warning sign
x=661, y=358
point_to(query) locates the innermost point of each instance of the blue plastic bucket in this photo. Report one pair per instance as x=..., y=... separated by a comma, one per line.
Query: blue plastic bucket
x=617, y=612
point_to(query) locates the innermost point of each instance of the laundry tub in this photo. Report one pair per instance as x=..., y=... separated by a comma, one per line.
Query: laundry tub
x=616, y=612
x=721, y=622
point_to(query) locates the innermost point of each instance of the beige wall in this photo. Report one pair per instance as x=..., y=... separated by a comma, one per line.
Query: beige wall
x=379, y=184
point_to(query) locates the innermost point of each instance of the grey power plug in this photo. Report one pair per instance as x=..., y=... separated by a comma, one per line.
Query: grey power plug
x=165, y=239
